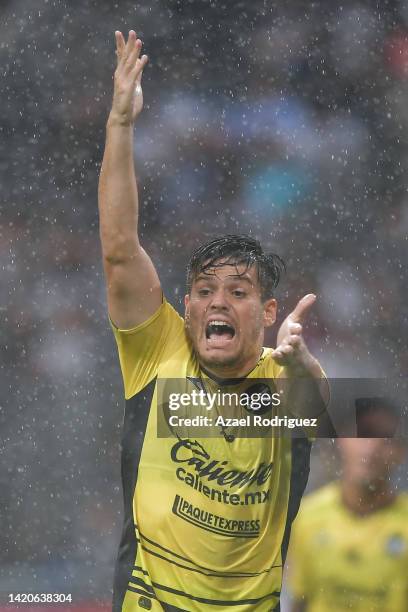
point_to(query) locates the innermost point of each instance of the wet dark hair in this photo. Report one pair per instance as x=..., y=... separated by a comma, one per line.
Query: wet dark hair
x=235, y=250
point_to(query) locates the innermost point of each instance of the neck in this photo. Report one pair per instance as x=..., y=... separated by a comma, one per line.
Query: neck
x=366, y=498
x=222, y=372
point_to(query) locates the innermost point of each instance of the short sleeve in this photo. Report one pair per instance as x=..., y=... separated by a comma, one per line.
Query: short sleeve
x=142, y=348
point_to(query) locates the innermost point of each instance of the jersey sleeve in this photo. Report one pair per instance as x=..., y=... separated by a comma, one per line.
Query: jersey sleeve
x=142, y=348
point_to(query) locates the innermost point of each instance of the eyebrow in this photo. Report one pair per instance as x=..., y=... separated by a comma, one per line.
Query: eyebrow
x=234, y=277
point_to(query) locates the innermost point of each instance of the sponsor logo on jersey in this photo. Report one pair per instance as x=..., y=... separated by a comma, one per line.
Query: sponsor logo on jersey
x=197, y=470
x=193, y=454
x=213, y=522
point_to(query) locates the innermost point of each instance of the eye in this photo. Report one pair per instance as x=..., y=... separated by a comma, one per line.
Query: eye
x=203, y=292
x=239, y=293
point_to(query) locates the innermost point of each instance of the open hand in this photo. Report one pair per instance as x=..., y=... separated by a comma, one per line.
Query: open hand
x=291, y=350
x=127, y=95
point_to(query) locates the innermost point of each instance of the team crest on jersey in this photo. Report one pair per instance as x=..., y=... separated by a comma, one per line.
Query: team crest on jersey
x=145, y=603
x=395, y=545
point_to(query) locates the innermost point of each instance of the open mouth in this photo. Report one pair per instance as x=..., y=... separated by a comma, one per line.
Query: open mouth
x=219, y=331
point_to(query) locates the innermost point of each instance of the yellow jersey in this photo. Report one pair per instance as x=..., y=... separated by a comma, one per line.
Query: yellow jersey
x=207, y=521
x=343, y=561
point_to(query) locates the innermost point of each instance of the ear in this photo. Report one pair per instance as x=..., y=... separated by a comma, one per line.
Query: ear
x=186, y=306
x=269, y=313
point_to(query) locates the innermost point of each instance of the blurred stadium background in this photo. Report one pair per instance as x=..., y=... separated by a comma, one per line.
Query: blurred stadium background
x=287, y=120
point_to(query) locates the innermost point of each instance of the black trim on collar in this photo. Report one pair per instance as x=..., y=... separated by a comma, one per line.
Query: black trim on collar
x=223, y=382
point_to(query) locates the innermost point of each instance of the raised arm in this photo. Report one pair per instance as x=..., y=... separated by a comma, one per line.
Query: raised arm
x=133, y=287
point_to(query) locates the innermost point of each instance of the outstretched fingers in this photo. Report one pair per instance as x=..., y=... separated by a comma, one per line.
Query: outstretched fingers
x=294, y=329
x=120, y=45
x=138, y=68
x=291, y=344
x=132, y=51
x=133, y=55
x=303, y=307
x=131, y=43
x=127, y=52
x=128, y=97
x=133, y=64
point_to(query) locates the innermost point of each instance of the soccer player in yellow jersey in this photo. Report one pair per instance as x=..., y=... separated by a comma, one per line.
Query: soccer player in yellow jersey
x=349, y=546
x=207, y=521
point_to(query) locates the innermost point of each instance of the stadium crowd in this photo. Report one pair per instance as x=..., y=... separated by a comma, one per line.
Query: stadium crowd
x=284, y=120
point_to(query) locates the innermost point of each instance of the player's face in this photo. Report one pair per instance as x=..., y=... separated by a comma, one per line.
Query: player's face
x=368, y=460
x=226, y=317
